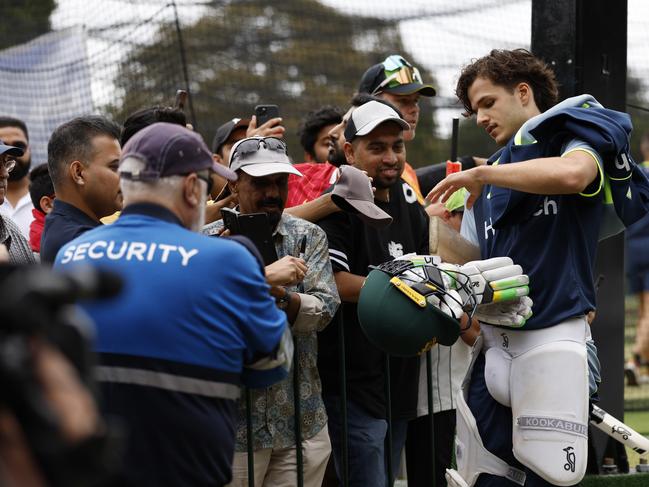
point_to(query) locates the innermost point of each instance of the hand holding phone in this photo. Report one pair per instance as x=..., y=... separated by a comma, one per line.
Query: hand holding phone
x=266, y=122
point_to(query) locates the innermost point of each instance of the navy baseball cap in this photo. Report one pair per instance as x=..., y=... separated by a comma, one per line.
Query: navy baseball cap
x=10, y=149
x=168, y=149
x=394, y=75
x=224, y=131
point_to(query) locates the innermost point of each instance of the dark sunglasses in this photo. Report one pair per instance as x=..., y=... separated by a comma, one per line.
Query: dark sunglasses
x=206, y=175
x=250, y=146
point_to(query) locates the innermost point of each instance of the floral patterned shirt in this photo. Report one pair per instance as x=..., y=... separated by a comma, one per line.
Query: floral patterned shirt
x=272, y=408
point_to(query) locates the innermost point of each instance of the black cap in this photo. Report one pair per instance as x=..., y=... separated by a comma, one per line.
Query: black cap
x=224, y=131
x=377, y=74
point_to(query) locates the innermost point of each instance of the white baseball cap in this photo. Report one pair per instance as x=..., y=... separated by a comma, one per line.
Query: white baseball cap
x=370, y=115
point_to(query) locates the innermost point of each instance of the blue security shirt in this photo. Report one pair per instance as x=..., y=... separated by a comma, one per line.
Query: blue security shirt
x=64, y=223
x=172, y=346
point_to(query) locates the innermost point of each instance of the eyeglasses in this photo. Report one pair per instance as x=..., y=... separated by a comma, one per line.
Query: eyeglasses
x=250, y=146
x=8, y=163
x=206, y=175
x=405, y=74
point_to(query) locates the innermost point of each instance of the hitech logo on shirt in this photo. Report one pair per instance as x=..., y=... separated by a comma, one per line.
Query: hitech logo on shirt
x=141, y=251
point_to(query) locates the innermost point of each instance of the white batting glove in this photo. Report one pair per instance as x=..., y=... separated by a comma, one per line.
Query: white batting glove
x=511, y=313
x=492, y=281
x=450, y=304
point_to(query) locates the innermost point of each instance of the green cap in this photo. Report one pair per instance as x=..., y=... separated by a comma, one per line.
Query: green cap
x=399, y=320
x=456, y=200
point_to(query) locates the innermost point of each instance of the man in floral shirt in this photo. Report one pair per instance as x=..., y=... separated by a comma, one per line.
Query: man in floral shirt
x=302, y=282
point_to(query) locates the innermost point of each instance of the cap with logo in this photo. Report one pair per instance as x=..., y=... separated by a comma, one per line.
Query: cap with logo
x=394, y=75
x=168, y=149
x=370, y=115
x=353, y=193
x=395, y=308
x=224, y=131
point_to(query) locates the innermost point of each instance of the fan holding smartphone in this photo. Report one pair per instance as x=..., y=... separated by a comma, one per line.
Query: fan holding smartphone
x=302, y=283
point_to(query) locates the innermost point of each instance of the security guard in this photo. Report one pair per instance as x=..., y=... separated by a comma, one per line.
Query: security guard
x=195, y=318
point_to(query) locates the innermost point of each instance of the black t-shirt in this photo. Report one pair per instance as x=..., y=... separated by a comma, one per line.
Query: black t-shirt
x=353, y=246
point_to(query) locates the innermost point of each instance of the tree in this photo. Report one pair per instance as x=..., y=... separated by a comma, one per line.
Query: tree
x=23, y=21
x=298, y=54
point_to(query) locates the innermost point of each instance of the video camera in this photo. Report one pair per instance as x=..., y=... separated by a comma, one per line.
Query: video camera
x=37, y=306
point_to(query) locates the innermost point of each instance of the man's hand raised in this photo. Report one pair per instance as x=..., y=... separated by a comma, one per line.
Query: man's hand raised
x=272, y=128
x=469, y=179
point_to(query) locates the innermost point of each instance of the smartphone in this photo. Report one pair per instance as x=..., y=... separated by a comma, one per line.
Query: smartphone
x=264, y=113
x=256, y=227
x=230, y=220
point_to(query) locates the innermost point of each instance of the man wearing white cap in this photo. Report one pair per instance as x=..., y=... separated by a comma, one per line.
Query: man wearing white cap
x=375, y=144
x=303, y=286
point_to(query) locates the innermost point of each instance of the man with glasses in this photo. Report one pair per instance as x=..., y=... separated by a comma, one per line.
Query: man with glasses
x=399, y=82
x=17, y=204
x=194, y=322
x=303, y=285
x=10, y=235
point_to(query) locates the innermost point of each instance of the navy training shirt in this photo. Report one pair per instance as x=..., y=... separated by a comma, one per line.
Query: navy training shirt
x=64, y=223
x=172, y=345
x=555, y=246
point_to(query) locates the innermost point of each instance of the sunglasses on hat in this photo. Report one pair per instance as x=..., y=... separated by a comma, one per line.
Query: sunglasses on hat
x=250, y=146
x=402, y=73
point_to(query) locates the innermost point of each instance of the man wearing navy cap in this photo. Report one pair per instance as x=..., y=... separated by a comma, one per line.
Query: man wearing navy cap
x=193, y=323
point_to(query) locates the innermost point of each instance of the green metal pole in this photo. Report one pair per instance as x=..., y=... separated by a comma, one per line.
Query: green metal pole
x=429, y=383
x=388, y=456
x=297, y=414
x=251, y=452
x=343, y=396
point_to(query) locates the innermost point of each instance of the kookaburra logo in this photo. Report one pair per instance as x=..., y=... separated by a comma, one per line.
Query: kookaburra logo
x=624, y=433
x=505, y=340
x=571, y=459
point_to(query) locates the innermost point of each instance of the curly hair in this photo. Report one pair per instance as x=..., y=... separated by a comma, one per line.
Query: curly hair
x=314, y=122
x=509, y=68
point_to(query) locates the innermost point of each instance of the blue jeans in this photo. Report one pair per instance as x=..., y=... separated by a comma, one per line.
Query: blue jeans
x=399, y=431
x=366, y=443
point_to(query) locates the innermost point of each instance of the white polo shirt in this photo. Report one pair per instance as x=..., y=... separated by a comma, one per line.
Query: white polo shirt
x=21, y=214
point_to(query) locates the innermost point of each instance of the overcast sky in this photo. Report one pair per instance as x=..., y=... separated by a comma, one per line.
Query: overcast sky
x=442, y=35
